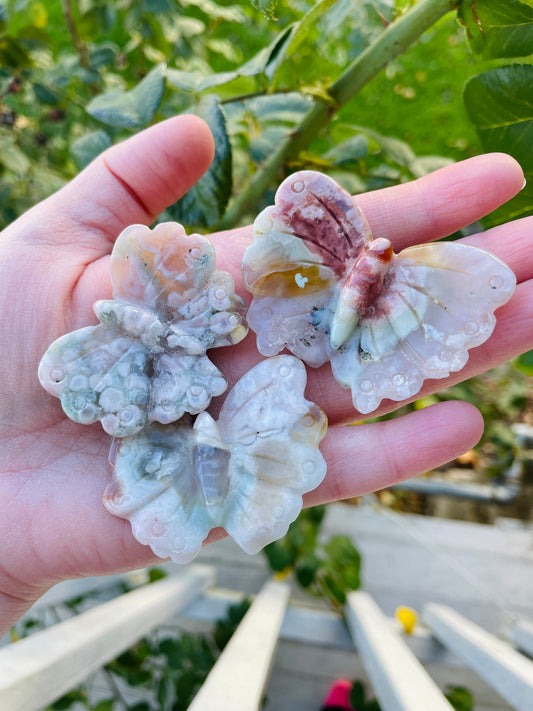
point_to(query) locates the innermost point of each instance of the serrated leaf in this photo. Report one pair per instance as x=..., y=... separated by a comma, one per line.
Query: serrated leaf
x=129, y=109
x=206, y=202
x=499, y=28
x=265, y=61
x=87, y=147
x=500, y=104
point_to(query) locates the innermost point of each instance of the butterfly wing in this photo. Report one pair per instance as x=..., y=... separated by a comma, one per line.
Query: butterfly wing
x=182, y=383
x=438, y=301
x=154, y=486
x=273, y=433
x=174, y=275
x=302, y=246
x=99, y=375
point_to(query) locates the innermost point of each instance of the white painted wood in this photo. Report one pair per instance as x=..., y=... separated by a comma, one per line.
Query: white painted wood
x=501, y=666
x=523, y=636
x=39, y=669
x=482, y=571
x=399, y=681
x=237, y=680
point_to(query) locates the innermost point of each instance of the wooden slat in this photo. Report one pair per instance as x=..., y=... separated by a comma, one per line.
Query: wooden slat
x=39, y=669
x=237, y=680
x=399, y=681
x=501, y=666
x=523, y=636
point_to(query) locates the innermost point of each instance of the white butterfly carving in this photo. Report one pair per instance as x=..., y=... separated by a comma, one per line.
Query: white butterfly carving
x=146, y=359
x=246, y=472
x=328, y=291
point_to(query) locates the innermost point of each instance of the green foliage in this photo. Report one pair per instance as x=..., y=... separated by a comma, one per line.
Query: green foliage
x=500, y=100
x=133, y=108
x=359, y=700
x=76, y=78
x=500, y=103
x=460, y=698
x=329, y=569
x=171, y=669
x=206, y=201
x=499, y=29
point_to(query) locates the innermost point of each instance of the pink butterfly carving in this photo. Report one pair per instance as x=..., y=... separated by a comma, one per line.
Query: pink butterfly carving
x=326, y=290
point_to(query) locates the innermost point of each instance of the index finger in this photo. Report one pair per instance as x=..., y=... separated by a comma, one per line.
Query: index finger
x=442, y=202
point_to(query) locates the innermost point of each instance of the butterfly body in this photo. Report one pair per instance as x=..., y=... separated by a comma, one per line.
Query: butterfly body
x=327, y=291
x=146, y=361
x=245, y=472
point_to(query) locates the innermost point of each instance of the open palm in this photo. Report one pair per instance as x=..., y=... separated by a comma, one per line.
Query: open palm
x=54, y=265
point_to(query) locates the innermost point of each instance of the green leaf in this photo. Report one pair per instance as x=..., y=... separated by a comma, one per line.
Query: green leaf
x=45, y=94
x=12, y=157
x=345, y=560
x=163, y=692
x=335, y=590
x=267, y=7
x=460, y=698
x=499, y=28
x=171, y=649
x=155, y=574
x=500, y=104
x=216, y=11
x=302, y=29
x=524, y=363
x=352, y=150
x=397, y=150
x=206, y=202
x=306, y=569
x=278, y=556
x=129, y=109
x=106, y=705
x=357, y=694
x=68, y=700
x=87, y=147
x=265, y=61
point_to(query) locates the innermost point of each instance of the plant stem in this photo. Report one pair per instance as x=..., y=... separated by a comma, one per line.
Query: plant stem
x=79, y=45
x=393, y=41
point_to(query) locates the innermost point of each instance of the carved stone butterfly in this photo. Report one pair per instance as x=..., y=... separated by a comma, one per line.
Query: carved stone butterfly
x=328, y=291
x=246, y=472
x=146, y=359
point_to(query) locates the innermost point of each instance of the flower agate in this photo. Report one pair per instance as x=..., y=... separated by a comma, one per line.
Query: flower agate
x=328, y=291
x=146, y=360
x=246, y=472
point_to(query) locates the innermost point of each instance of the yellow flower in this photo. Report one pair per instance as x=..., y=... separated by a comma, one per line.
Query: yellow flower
x=407, y=617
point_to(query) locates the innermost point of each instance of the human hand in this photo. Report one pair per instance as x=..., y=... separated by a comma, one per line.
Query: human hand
x=54, y=265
